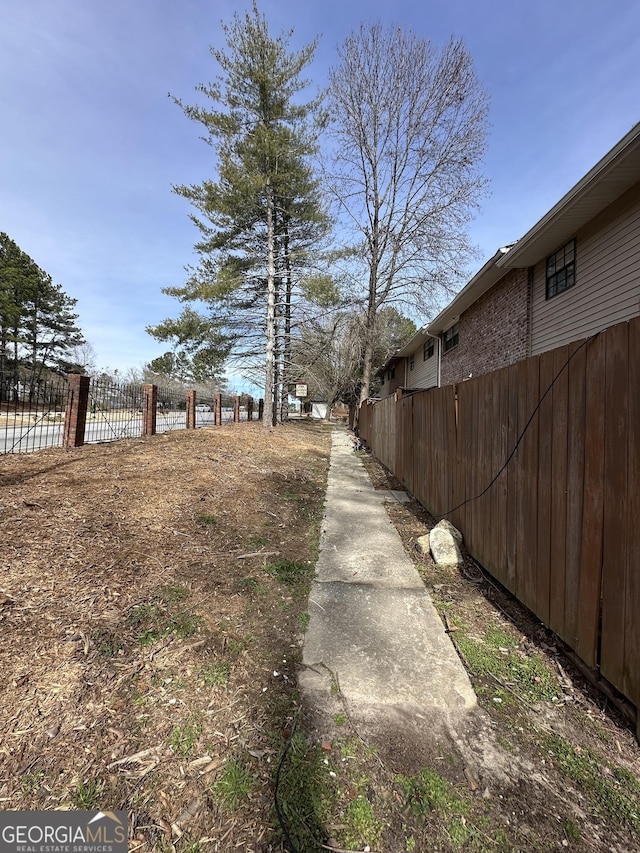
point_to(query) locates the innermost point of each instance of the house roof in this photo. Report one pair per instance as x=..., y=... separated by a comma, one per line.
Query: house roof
x=615, y=173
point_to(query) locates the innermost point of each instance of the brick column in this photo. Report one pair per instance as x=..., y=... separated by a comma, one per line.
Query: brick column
x=75, y=418
x=260, y=409
x=149, y=409
x=217, y=409
x=191, y=409
x=250, y=409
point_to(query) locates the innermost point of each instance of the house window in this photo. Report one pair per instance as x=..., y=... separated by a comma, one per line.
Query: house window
x=561, y=269
x=412, y=362
x=451, y=338
x=392, y=374
x=428, y=349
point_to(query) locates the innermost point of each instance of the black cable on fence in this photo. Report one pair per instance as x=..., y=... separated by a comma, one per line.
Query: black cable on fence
x=523, y=432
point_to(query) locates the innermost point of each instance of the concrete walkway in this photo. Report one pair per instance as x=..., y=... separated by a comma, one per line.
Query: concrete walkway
x=375, y=642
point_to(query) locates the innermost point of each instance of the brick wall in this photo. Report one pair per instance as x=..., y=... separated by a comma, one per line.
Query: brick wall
x=493, y=332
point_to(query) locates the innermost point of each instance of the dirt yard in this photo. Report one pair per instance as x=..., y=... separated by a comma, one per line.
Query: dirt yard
x=151, y=619
x=152, y=605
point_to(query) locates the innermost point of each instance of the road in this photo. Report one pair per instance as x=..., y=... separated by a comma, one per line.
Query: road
x=28, y=438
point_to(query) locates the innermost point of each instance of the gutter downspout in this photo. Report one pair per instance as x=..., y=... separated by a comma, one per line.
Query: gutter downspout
x=437, y=338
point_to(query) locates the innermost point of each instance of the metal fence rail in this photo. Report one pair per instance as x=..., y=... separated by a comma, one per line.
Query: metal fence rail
x=171, y=410
x=32, y=415
x=114, y=411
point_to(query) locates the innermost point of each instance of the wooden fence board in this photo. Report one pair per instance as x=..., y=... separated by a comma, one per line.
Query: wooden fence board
x=512, y=481
x=592, y=504
x=558, y=491
x=500, y=486
x=484, y=536
x=631, y=676
x=616, y=405
x=528, y=420
x=545, y=445
x=575, y=488
x=459, y=483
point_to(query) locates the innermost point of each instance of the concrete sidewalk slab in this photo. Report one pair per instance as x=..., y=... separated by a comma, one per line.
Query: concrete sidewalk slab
x=373, y=631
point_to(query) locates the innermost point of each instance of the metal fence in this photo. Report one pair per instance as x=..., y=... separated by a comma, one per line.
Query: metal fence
x=114, y=411
x=32, y=415
x=171, y=410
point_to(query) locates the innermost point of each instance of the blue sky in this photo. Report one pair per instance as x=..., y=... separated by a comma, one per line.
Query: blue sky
x=91, y=143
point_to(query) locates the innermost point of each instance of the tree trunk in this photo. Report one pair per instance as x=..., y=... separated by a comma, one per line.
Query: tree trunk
x=267, y=419
x=367, y=360
x=286, y=349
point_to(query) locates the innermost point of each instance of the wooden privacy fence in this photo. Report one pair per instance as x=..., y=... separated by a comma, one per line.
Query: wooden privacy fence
x=560, y=524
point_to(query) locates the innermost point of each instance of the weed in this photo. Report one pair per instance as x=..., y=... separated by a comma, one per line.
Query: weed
x=172, y=594
x=606, y=792
x=257, y=542
x=340, y=719
x=183, y=738
x=234, y=784
x=427, y=791
x=290, y=573
x=252, y=584
x=215, y=674
x=184, y=625
x=107, y=645
x=571, y=831
x=154, y=622
x=87, y=795
x=498, y=654
x=207, y=520
x=362, y=827
x=32, y=781
x=303, y=621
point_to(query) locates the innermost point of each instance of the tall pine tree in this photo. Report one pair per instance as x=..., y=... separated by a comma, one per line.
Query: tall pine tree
x=264, y=202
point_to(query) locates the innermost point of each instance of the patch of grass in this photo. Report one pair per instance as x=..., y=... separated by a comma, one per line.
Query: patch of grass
x=427, y=791
x=183, y=738
x=215, y=674
x=87, y=795
x=340, y=719
x=172, y=594
x=154, y=621
x=362, y=826
x=571, y=831
x=252, y=584
x=303, y=621
x=207, y=520
x=234, y=784
x=608, y=793
x=497, y=653
x=290, y=573
x=303, y=790
x=255, y=542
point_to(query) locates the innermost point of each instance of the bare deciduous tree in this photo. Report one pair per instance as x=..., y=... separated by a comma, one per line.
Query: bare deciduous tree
x=409, y=131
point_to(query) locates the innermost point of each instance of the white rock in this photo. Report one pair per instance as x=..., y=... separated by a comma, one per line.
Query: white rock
x=444, y=548
x=422, y=544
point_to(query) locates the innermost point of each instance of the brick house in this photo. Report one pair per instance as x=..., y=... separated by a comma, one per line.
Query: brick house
x=576, y=272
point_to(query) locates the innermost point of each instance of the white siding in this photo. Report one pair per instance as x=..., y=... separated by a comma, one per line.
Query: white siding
x=424, y=373
x=607, y=288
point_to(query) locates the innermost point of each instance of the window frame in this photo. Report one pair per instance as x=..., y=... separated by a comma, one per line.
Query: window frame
x=412, y=361
x=428, y=349
x=560, y=277
x=451, y=338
